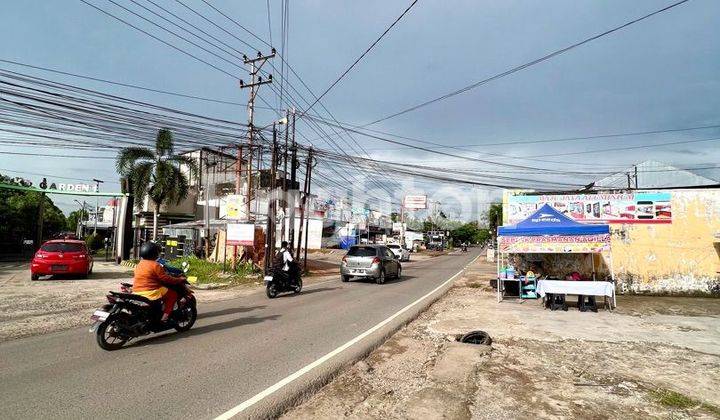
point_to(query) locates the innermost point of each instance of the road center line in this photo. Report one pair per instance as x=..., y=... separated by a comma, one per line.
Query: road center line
x=290, y=378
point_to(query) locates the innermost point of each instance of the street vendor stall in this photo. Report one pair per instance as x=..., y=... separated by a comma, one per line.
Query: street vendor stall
x=548, y=231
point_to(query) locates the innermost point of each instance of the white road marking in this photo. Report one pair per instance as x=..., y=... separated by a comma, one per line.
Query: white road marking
x=290, y=378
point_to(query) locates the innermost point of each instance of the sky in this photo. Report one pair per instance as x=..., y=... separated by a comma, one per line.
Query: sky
x=661, y=73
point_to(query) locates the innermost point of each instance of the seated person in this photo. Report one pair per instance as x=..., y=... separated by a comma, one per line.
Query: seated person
x=151, y=278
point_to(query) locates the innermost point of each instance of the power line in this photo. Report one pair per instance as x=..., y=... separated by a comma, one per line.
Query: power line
x=360, y=58
x=526, y=65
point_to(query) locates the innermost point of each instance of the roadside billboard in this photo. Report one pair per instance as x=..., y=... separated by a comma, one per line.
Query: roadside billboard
x=241, y=234
x=634, y=207
x=415, y=202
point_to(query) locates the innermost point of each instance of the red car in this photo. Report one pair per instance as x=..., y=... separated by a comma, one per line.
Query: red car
x=61, y=256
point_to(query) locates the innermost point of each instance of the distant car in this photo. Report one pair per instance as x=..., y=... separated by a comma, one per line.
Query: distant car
x=402, y=253
x=61, y=256
x=377, y=262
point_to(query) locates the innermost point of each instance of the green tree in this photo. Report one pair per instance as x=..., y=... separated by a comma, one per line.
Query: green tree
x=494, y=217
x=157, y=173
x=74, y=219
x=19, y=211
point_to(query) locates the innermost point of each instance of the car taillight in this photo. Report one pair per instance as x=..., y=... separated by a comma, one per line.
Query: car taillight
x=80, y=257
x=39, y=255
x=376, y=260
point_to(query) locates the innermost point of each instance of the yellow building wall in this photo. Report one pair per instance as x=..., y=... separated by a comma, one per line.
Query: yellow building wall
x=681, y=257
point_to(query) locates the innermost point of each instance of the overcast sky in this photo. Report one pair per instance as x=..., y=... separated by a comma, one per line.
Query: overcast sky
x=662, y=73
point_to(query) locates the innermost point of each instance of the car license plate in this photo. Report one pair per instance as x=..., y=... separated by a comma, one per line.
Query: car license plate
x=358, y=271
x=100, y=315
x=268, y=279
x=58, y=267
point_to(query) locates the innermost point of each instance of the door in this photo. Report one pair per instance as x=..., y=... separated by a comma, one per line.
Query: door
x=392, y=262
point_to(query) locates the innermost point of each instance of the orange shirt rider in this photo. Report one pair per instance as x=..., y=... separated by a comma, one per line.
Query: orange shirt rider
x=151, y=278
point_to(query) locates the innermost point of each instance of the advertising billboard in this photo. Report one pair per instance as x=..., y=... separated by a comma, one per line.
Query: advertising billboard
x=241, y=234
x=634, y=207
x=415, y=202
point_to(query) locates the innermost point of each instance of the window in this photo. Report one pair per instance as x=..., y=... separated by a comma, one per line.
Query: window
x=63, y=247
x=362, y=251
x=393, y=246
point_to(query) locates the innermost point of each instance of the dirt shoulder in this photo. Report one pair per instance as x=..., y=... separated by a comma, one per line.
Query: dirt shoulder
x=37, y=307
x=654, y=357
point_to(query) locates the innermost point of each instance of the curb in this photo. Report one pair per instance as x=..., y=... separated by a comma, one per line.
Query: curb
x=296, y=391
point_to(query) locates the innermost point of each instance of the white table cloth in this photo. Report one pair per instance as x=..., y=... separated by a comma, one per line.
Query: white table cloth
x=566, y=287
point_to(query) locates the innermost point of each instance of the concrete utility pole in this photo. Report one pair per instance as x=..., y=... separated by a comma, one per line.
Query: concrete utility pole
x=255, y=82
x=285, y=174
x=293, y=176
x=303, y=206
x=97, y=203
x=79, y=229
x=310, y=165
x=207, y=205
x=272, y=205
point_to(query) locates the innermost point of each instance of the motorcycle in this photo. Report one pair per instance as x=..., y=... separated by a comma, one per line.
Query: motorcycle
x=127, y=316
x=283, y=281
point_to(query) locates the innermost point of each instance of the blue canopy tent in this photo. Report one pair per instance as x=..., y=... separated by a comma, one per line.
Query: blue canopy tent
x=549, y=231
x=547, y=221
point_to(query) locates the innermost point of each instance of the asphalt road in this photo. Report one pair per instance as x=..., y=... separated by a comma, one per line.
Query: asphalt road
x=235, y=350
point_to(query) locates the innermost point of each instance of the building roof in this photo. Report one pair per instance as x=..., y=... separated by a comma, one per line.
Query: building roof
x=654, y=174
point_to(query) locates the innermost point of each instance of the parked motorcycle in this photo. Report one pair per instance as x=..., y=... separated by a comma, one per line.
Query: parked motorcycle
x=127, y=316
x=283, y=281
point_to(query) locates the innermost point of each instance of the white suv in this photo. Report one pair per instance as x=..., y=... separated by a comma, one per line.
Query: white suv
x=402, y=253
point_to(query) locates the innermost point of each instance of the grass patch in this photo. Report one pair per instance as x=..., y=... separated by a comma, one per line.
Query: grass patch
x=673, y=399
x=677, y=400
x=210, y=272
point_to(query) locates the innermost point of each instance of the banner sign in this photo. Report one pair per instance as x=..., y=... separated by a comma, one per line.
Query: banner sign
x=241, y=234
x=415, y=202
x=68, y=189
x=234, y=208
x=637, y=207
x=555, y=244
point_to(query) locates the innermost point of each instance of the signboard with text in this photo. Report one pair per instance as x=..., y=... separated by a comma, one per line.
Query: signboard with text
x=554, y=244
x=634, y=207
x=415, y=202
x=241, y=234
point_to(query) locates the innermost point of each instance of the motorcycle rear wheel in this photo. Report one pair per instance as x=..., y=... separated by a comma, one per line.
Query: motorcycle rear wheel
x=271, y=291
x=190, y=313
x=298, y=287
x=104, y=337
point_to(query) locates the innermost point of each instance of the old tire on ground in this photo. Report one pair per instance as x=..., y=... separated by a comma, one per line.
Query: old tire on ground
x=475, y=337
x=381, y=278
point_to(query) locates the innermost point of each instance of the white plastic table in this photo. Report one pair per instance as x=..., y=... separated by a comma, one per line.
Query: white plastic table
x=585, y=288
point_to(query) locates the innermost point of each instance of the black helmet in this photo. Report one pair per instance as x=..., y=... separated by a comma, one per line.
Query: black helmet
x=149, y=251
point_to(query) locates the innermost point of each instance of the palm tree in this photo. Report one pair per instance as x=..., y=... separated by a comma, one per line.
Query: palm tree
x=157, y=173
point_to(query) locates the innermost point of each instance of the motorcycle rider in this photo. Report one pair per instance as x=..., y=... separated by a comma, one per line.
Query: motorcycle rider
x=151, y=278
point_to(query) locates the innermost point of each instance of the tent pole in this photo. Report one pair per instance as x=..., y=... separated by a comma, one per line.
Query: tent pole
x=612, y=276
x=498, y=255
